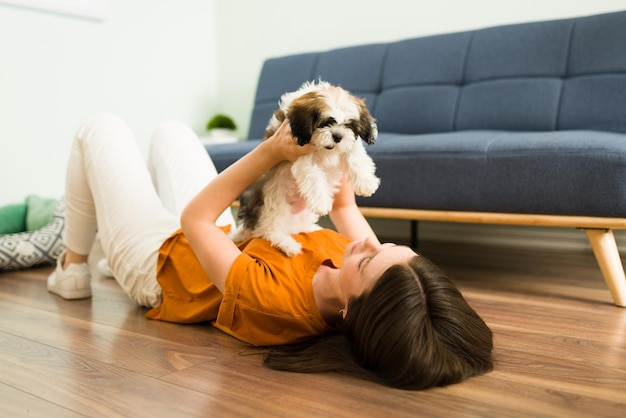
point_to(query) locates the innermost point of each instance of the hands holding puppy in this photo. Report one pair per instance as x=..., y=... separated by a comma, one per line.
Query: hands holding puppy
x=228, y=185
x=282, y=146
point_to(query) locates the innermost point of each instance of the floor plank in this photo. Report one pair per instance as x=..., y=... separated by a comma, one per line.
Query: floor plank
x=16, y=403
x=87, y=386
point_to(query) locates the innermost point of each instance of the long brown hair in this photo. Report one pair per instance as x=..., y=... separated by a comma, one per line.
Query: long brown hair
x=412, y=330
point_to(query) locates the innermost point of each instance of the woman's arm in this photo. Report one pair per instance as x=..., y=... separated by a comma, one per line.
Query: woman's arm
x=215, y=251
x=346, y=215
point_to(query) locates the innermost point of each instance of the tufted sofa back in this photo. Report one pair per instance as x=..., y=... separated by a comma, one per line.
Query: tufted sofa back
x=543, y=76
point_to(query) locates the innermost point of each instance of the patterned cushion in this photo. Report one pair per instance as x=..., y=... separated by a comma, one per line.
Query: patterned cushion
x=40, y=247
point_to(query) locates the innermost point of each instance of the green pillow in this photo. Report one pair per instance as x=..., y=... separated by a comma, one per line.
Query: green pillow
x=39, y=213
x=13, y=218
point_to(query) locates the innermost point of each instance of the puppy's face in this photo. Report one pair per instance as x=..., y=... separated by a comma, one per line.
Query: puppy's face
x=330, y=118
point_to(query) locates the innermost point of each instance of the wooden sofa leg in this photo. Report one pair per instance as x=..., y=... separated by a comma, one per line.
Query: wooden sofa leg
x=605, y=249
x=414, y=235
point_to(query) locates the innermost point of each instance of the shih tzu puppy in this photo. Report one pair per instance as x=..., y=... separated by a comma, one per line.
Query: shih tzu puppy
x=290, y=197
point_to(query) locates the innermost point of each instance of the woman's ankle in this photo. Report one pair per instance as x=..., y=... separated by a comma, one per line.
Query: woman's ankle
x=74, y=258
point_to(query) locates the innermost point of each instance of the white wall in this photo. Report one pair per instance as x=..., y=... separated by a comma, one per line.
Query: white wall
x=149, y=60
x=250, y=31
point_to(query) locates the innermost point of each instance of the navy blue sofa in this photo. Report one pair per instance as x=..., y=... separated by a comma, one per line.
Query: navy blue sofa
x=522, y=124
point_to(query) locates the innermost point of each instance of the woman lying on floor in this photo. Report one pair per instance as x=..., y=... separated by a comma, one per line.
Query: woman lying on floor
x=347, y=303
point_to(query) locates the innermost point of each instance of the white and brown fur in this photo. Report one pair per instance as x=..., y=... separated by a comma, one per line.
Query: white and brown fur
x=290, y=197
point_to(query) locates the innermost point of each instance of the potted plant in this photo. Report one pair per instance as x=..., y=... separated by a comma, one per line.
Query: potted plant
x=221, y=121
x=221, y=128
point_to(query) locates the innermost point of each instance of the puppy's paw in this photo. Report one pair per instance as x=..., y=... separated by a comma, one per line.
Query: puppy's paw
x=366, y=185
x=311, y=228
x=289, y=246
x=239, y=234
x=321, y=204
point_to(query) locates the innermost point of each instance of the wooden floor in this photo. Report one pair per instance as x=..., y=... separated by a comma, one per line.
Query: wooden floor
x=560, y=350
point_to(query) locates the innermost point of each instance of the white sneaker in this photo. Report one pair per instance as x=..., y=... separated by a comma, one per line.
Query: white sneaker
x=71, y=283
x=103, y=268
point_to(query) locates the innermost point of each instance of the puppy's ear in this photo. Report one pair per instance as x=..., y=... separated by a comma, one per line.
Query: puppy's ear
x=304, y=115
x=367, y=129
x=277, y=118
x=279, y=115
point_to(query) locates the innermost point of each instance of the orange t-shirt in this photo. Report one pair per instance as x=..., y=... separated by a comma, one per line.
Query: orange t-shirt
x=268, y=299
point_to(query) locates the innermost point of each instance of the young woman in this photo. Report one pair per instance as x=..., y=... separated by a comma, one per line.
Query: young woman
x=347, y=303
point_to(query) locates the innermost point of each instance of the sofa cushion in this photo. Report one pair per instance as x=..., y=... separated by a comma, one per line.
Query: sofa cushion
x=433, y=109
x=596, y=102
x=558, y=172
x=537, y=49
x=520, y=104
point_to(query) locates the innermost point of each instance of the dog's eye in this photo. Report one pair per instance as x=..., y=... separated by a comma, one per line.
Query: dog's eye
x=328, y=122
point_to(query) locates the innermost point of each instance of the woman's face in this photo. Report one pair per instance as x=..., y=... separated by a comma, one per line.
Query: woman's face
x=365, y=261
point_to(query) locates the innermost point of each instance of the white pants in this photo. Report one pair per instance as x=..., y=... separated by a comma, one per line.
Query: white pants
x=133, y=208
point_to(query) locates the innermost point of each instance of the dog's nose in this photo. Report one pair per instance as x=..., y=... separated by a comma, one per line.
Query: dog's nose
x=337, y=138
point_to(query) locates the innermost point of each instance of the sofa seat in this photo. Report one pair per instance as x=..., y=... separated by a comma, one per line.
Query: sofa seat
x=559, y=172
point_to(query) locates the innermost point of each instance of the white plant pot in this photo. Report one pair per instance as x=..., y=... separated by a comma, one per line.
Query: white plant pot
x=219, y=136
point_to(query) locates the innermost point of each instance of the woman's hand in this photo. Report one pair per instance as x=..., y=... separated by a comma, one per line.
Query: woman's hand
x=283, y=147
